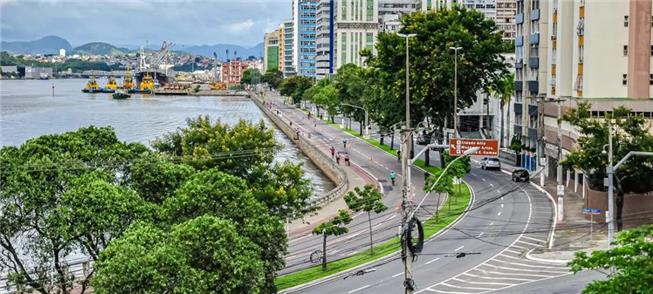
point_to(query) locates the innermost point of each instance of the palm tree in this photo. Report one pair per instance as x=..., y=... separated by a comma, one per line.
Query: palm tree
x=504, y=88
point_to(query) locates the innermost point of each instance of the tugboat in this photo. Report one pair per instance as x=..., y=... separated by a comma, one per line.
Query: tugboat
x=92, y=86
x=147, y=84
x=111, y=86
x=128, y=82
x=120, y=96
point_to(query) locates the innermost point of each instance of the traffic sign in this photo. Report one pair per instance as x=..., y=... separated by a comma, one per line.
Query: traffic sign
x=591, y=211
x=487, y=147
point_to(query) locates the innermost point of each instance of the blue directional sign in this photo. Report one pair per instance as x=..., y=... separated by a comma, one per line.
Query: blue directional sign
x=591, y=211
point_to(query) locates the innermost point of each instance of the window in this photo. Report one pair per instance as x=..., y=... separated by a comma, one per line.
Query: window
x=651, y=50
x=624, y=80
x=625, y=50
x=650, y=79
x=625, y=21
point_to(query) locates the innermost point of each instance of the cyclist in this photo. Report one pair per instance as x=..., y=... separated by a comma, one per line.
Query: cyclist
x=393, y=176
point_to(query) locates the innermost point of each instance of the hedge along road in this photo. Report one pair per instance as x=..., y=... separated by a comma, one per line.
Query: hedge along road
x=375, y=161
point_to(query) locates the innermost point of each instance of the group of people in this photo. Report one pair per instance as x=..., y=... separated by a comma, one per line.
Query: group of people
x=337, y=156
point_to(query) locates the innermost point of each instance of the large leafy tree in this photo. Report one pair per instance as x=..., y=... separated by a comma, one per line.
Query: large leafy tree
x=630, y=133
x=215, y=193
x=155, y=178
x=503, y=89
x=432, y=62
x=283, y=188
x=202, y=255
x=351, y=83
x=367, y=199
x=205, y=144
x=334, y=227
x=58, y=195
x=251, y=76
x=631, y=259
x=295, y=87
x=325, y=96
x=273, y=78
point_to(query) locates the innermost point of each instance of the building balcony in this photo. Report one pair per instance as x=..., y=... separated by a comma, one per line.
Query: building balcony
x=535, y=14
x=532, y=110
x=534, y=62
x=534, y=39
x=518, y=108
x=533, y=86
x=519, y=18
x=519, y=85
x=519, y=41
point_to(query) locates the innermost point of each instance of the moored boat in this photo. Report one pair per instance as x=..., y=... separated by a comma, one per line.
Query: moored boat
x=92, y=86
x=120, y=96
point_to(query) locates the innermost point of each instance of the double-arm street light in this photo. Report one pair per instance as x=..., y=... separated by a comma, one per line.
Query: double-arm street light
x=367, y=122
x=455, y=89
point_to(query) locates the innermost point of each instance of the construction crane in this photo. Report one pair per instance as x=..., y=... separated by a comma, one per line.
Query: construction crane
x=162, y=57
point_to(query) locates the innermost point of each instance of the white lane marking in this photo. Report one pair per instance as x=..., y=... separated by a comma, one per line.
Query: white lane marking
x=491, y=185
x=432, y=261
x=483, y=179
x=297, y=239
x=499, y=213
x=529, y=243
x=396, y=275
x=513, y=251
x=495, y=278
x=353, y=235
x=481, y=234
x=524, y=264
x=534, y=239
x=512, y=274
x=358, y=289
x=465, y=287
x=526, y=270
x=393, y=216
x=517, y=246
x=376, y=226
x=501, y=205
x=350, y=254
x=445, y=292
x=334, y=251
x=481, y=283
x=501, y=198
x=491, y=223
x=461, y=247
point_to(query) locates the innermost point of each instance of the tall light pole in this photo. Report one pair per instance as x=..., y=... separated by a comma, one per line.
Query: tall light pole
x=367, y=120
x=406, y=138
x=455, y=90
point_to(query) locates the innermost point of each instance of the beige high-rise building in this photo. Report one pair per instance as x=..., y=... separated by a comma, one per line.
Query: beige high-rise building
x=501, y=11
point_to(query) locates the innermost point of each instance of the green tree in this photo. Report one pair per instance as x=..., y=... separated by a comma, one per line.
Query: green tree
x=630, y=257
x=155, y=178
x=295, y=87
x=283, y=188
x=432, y=62
x=58, y=195
x=202, y=255
x=630, y=133
x=325, y=96
x=215, y=193
x=334, y=227
x=251, y=76
x=351, y=83
x=233, y=149
x=367, y=199
x=443, y=186
x=272, y=78
x=504, y=88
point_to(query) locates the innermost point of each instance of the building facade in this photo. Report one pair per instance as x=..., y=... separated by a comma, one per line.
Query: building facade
x=271, y=51
x=304, y=17
x=232, y=71
x=391, y=11
x=501, y=11
x=346, y=28
x=288, y=50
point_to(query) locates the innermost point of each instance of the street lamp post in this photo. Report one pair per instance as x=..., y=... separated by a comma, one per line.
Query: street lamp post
x=367, y=122
x=406, y=138
x=455, y=90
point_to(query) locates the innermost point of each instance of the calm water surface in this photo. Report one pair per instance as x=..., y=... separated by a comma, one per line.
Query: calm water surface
x=28, y=109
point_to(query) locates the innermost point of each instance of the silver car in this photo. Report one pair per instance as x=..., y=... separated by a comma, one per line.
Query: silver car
x=490, y=163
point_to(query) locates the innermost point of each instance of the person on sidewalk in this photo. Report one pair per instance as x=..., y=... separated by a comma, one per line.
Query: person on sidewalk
x=333, y=151
x=398, y=154
x=393, y=176
x=344, y=143
x=338, y=159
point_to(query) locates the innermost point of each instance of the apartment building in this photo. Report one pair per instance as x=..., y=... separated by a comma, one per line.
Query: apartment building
x=345, y=28
x=271, y=52
x=600, y=52
x=501, y=11
x=391, y=11
x=304, y=42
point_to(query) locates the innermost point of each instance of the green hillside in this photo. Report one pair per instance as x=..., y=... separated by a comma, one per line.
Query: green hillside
x=100, y=48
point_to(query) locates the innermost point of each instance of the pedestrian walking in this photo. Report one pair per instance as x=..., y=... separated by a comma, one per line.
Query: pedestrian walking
x=347, y=160
x=398, y=154
x=333, y=151
x=393, y=176
x=344, y=143
x=338, y=159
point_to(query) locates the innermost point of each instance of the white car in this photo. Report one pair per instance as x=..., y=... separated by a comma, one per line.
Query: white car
x=490, y=163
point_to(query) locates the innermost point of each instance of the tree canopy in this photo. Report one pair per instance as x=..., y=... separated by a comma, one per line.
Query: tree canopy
x=251, y=76
x=294, y=87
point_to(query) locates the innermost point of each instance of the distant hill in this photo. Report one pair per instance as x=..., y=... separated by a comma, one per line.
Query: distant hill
x=100, y=48
x=45, y=45
x=221, y=50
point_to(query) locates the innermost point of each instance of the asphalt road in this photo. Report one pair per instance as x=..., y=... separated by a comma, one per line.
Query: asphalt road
x=505, y=221
x=363, y=156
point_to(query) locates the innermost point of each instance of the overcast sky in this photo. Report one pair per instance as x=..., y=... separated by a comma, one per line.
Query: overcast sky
x=133, y=22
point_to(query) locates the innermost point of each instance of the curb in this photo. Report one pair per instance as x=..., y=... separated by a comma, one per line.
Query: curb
x=387, y=257
x=560, y=261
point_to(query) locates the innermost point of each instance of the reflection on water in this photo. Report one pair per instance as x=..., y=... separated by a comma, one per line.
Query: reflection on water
x=28, y=109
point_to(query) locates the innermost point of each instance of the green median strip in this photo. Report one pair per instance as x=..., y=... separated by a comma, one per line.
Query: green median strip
x=447, y=215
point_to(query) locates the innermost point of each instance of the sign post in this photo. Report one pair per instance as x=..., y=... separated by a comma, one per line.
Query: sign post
x=486, y=147
x=591, y=212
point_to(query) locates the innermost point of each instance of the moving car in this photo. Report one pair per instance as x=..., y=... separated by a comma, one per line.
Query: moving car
x=490, y=163
x=520, y=175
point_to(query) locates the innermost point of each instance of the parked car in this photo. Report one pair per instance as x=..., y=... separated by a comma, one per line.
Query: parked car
x=520, y=175
x=490, y=163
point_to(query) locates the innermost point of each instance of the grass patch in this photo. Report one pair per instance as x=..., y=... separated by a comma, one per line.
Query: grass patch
x=457, y=205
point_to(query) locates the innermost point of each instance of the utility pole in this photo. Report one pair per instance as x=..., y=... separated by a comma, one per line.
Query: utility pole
x=455, y=90
x=560, y=189
x=610, y=171
x=406, y=139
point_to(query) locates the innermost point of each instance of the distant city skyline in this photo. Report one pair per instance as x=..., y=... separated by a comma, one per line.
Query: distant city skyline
x=119, y=22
